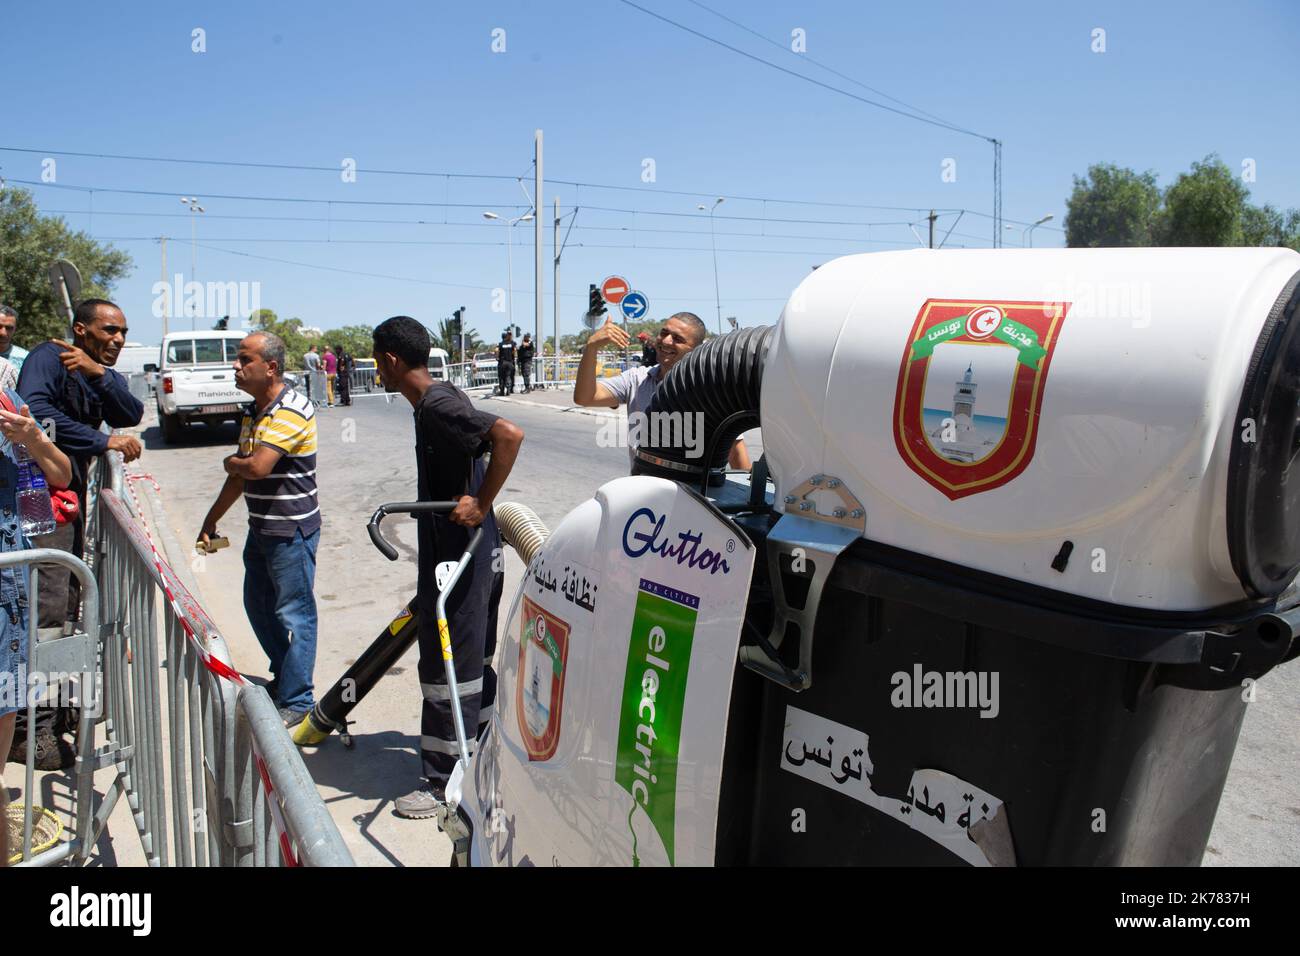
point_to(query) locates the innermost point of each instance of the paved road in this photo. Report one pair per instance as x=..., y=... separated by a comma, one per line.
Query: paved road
x=366, y=459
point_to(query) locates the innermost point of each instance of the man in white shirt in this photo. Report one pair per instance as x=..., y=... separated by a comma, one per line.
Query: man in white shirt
x=636, y=386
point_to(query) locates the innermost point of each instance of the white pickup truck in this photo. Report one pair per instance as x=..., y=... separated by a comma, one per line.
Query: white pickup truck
x=198, y=381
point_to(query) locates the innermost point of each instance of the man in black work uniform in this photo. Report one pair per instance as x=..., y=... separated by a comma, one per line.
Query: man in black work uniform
x=506, y=364
x=451, y=438
x=525, y=359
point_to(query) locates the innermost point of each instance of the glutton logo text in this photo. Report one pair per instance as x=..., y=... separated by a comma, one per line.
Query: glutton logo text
x=644, y=533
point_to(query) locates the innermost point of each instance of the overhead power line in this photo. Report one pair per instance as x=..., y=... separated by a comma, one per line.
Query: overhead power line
x=648, y=190
x=805, y=57
x=453, y=285
x=101, y=213
x=452, y=242
x=996, y=143
x=808, y=79
x=422, y=204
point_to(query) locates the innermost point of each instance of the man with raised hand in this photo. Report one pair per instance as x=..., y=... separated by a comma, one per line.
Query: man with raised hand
x=636, y=386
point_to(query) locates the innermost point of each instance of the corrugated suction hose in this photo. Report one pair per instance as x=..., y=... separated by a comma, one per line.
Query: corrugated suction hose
x=521, y=528
x=720, y=380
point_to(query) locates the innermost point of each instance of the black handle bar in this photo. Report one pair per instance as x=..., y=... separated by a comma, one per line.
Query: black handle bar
x=411, y=508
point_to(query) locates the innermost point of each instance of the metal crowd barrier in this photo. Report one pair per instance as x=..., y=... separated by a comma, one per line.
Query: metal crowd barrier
x=467, y=375
x=312, y=385
x=225, y=786
x=72, y=658
x=220, y=814
x=363, y=380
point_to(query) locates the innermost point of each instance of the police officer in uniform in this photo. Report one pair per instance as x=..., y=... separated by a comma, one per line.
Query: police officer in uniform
x=506, y=364
x=525, y=357
x=452, y=437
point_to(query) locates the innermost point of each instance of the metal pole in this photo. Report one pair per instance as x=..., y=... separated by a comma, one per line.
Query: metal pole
x=931, y=217
x=510, y=275
x=717, y=296
x=193, y=258
x=537, y=242
x=555, y=283
x=167, y=307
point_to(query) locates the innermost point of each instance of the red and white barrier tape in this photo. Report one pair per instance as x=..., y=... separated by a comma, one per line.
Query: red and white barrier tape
x=215, y=665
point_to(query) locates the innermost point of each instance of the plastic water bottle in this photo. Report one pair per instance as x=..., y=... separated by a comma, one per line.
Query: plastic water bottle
x=34, y=510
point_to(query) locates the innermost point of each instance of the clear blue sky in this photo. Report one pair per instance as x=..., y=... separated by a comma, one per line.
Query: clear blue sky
x=416, y=86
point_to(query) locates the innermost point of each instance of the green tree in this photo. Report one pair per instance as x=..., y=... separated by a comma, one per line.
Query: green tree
x=1266, y=226
x=357, y=339
x=290, y=330
x=1207, y=206
x=1111, y=207
x=29, y=242
x=1204, y=207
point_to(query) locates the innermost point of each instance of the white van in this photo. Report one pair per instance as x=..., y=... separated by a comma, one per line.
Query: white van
x=135, y=359
x=438, y=362
x=198, y=381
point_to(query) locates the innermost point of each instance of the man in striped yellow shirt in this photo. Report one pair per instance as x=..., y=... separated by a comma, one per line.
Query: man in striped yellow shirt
x=275, y=470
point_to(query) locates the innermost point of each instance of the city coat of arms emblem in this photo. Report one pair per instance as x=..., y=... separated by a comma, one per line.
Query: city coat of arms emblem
x=539, y=692
x=970, y=388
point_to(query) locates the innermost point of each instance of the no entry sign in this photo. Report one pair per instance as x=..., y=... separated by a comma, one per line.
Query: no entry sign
x=613, y=289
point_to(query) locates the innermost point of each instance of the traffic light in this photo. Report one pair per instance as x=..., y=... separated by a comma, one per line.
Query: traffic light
x=456, y=321
x=595, y=301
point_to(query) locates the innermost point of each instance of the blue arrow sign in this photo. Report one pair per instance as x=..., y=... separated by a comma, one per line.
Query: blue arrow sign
x=634, y=305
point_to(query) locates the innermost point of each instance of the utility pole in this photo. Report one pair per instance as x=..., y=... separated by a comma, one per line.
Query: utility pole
x=167, y=288
x=192, y=204
x=555, y=283
x=537, y=245
x=997, y=193
x=932, y=217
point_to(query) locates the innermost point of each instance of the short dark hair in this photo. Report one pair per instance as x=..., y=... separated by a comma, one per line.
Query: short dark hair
x=5, y=310
x=695, y=322
x=85, y=310
x=404, y=337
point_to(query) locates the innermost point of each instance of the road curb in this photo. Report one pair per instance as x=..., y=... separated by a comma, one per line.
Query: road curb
x=574, y=409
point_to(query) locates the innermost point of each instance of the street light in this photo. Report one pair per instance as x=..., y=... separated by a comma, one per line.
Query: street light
x=192, y=203
x=510, y=262
x=1028, y=231
x=714, y=242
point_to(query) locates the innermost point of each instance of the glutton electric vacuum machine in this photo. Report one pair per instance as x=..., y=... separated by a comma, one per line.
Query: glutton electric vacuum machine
x=1024, y=534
